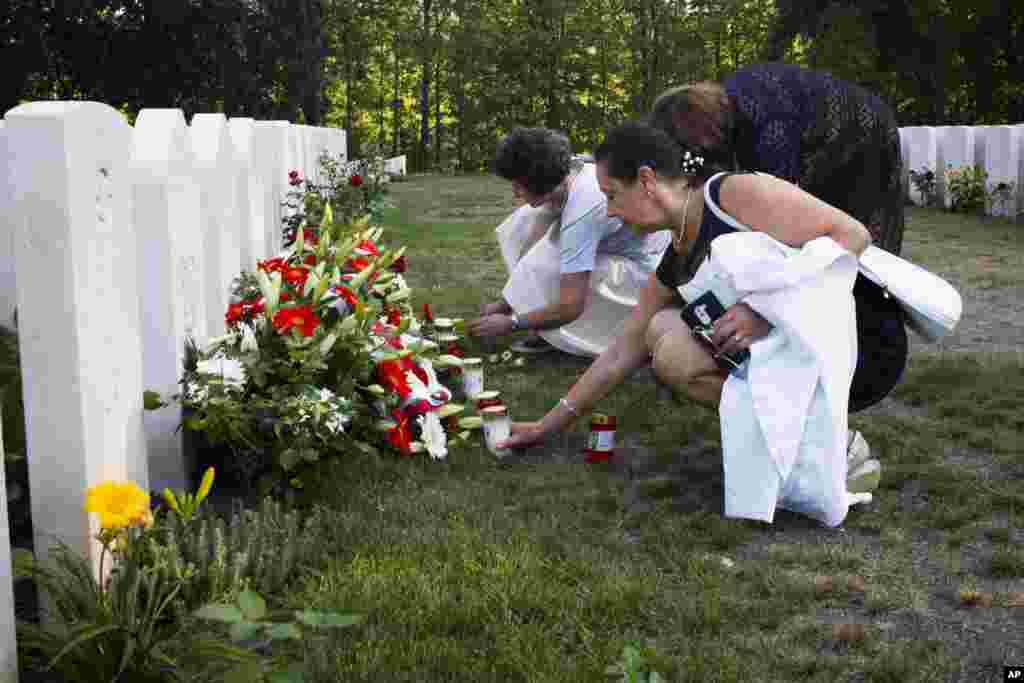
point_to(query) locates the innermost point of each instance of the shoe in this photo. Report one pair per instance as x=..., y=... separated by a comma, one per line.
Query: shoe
x=864, y=478
x=857, y=451
x=534, y=344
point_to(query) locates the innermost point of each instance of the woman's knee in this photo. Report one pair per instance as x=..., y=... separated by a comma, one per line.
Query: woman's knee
x=677, y=358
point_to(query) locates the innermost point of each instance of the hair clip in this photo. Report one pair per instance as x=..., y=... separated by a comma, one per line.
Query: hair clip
x=691, y=163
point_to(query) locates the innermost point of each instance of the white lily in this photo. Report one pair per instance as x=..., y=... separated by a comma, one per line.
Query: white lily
x=249, y=343
x=433, y=435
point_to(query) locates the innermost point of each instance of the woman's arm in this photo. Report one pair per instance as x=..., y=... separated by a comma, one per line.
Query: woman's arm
x=627, y=353
x=789, y=214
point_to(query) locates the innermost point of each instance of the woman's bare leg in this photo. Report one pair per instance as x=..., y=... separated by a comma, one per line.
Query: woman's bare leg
x=680, y=361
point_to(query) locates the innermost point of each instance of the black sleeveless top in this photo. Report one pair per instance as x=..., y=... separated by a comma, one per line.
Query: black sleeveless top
x=882, y=346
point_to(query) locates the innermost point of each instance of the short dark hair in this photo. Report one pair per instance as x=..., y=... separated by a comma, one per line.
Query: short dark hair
x=539, y=158
x=631, y=145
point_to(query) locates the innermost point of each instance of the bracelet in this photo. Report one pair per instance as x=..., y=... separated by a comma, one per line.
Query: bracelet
x=569, y=406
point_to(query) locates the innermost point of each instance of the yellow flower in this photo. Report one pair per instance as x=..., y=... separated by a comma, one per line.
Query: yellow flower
x=118, y=504
x=205, y=485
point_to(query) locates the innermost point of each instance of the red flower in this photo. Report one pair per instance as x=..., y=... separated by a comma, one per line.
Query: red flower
x=367, y=248
x=294, y=178
x=427, y=315
x=295, y=275
x=310, y=236
x=357, y=264
x=310, y=260
x=301, y=318
x=251, y=307
x=355, y=180
x=394, y=317
x=234, y=314
x=454, y=350
x=399, y=265
x=347, y=294
x=284, y=296
x=400, y=436
x=391, y=374
x=271, y=264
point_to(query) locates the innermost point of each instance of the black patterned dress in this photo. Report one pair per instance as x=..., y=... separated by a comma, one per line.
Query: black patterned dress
x=834, y=139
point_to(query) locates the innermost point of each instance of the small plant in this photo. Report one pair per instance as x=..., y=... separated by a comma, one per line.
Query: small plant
x=249, y=620
x=967, y=188
x=634, y=667
x=119, y=628
x=186, y=505
x=1000, y=199
x=924, y=183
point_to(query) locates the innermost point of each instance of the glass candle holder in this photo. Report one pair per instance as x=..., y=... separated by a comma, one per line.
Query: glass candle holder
x=497, y=428
x=472, y=377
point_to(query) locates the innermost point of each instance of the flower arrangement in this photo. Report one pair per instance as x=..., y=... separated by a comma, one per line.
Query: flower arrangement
x=322, y=356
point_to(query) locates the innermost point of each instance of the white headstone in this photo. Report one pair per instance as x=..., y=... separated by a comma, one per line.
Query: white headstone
x=8, y=282
x=955, y=150
x=395, y=165
x=249, y=194
x=921, y=154
x=165, y=205
x=78, y=312
x=271, y=160
x=221, y=226
x=8, y=643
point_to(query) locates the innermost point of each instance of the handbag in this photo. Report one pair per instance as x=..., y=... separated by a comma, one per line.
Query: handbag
x=931, y=306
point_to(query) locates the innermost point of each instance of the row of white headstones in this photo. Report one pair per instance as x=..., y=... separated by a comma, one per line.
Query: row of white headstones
x=999, y=150
x=119, y=242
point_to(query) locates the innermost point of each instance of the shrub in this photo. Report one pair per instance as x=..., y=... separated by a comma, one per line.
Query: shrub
x=967, y=188
x=924, y=183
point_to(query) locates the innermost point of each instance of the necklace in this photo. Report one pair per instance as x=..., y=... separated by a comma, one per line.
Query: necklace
x=679, y=236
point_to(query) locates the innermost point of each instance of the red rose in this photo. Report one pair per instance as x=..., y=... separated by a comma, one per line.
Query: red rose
x=295, y=275
x=301, y=318
x=355, y=180
x=357, y=264
x=284, y=296
x=394, y=317
x=310, y=236
x=310, y=260
x=399, y=265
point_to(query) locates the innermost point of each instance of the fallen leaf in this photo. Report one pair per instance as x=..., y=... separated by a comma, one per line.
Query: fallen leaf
x=849, y=633
x=822, y=584
x=969, y=598
x=855, y=584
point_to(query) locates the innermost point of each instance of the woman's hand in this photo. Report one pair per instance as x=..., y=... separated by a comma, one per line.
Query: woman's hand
x=493, y=325
x=738, y=328
x=524, y=435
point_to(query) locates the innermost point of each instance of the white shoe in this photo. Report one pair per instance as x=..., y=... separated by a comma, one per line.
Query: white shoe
x=857, y=451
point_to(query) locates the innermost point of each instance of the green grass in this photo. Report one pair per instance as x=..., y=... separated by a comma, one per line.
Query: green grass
x=471, y=570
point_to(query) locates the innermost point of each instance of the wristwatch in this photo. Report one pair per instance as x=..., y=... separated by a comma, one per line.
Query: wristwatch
x=517, y=323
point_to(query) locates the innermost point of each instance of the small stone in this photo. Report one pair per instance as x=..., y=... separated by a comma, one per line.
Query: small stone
x=848, y=633
x=855, y=584
x=822, y=584
x=1015, y=599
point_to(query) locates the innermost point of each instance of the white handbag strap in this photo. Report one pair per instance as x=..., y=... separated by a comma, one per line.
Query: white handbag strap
x=732, y=222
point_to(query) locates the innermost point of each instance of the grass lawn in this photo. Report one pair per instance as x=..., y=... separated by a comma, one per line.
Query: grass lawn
x=544, y=569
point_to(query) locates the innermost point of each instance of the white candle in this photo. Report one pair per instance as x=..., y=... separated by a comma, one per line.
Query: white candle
x=472, y=376
x=497, y=428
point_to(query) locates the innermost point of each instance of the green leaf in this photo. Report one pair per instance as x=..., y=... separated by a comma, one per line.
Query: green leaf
x=253, y=605
x=328, y=619
x=284, y=632
x=83, y=636
x=246, y=672
x=243, y=630
x=151, y=400
x=293, y=676
x=228, y=614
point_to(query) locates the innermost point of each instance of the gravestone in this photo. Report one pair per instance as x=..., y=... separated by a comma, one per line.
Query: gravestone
x=337, y=145
x=165, y=206
x=271, y=155
x=395, y=165
x=78, y=313
x=219, y=220
x=8, y=282
x=955, y=151
x=1003, y=163
x=8, y=643
x=249, y=193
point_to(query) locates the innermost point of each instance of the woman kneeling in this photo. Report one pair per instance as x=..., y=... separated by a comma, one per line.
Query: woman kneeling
x=778, y=362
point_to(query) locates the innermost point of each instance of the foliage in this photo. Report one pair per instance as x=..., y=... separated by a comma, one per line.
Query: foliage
x=634, y=668
x=185, y=505
x=261, y=549
x=1000, y=198
x=249, y=619
x=967, y=188
x=924, y=183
